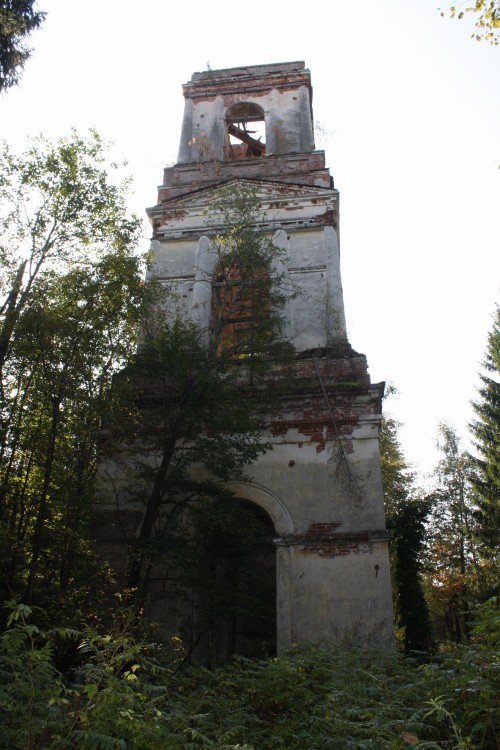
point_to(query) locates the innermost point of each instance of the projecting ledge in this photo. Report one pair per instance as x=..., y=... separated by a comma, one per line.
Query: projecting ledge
x=364, y=429
x=298, y=538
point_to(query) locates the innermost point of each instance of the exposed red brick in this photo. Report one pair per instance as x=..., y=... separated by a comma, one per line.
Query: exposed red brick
x=322, y=539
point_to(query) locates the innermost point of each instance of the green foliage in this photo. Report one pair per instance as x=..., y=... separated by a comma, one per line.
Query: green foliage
x=18, y=18
x=195, y=420
x=31, y=689
x=485, y=478
x=73, y=290
x=199, y=417
x=465, y=683
x=462, y=562
x=101, y=703
x=487, y=20
x=397, y=479
x=406, y=515
x=452, y=561
x=202, y=406
x=408, y=525
x=249, y=278
x=120, y=693
x=60, y=209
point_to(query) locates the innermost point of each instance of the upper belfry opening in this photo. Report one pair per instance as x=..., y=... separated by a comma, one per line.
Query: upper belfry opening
x=252, y=123
x=245, y=131
x=240, y=113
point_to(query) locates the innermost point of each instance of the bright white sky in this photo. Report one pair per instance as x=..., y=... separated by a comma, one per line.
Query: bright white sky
x=413, y=109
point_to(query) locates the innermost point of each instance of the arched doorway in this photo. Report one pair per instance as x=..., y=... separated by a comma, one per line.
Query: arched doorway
x=239, y=603
x=252, y=627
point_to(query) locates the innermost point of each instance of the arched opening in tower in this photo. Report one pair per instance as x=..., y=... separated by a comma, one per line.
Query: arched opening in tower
x=245, y=131
x=242, y=564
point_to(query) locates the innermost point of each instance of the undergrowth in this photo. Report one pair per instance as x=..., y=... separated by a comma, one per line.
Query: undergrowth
x=114, y=693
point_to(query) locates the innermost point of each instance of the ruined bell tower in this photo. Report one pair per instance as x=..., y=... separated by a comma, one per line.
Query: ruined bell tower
x=321, y=485
x=318, y=493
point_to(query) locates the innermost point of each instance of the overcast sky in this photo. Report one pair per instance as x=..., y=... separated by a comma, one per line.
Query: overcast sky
x=411, y=106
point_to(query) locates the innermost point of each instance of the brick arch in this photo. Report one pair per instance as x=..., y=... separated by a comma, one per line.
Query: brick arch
x=268, y=501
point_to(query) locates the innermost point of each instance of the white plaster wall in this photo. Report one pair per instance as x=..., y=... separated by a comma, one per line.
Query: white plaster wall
x=174, y=259
x=314, y=490
x=337, y=598
x=202, y=133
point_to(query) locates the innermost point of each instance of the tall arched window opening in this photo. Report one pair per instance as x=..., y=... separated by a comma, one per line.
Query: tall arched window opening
x=245, y=131
x=240, y=308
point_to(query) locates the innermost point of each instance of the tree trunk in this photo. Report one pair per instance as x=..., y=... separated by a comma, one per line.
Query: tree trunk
x=36, y=545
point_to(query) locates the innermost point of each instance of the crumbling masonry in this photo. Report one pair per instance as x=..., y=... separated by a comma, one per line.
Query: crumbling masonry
x=321, y=485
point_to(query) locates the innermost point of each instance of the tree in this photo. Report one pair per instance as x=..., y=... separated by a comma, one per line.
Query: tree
x=485, y=477
x=453, y=561
x=18, y=18
x=196, y=425
x=73, y=290
x=202, y=420
x=59, y=206
x=406, y=515
x=248, y=282
x=487, y=20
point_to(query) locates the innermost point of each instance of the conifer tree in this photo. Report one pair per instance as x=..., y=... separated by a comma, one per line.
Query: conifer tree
x=18, y=18
x=486, y=477
x=406, y=514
